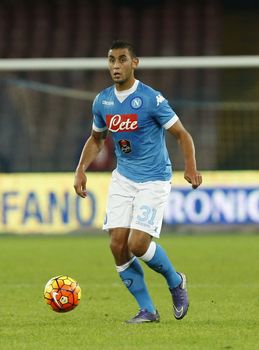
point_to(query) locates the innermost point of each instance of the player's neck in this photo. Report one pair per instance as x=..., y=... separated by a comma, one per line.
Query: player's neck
x=126, y=85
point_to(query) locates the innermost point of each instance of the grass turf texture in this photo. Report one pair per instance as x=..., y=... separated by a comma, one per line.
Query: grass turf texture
x=223, y=274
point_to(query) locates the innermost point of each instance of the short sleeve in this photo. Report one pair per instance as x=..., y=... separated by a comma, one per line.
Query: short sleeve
x=161, y=111
x=99, y=124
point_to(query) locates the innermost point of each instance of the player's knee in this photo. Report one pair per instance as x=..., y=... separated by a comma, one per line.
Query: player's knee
x=139, y=242
x=118, y=247
x=136, y=247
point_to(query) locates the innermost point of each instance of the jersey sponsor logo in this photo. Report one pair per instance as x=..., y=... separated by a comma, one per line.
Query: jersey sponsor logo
x=136, y=102
x=125, y=146
x=107, y=103
x=122, y=122
x=159, y=99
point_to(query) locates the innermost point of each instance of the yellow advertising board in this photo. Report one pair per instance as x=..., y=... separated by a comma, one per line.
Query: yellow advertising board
x=47, y=203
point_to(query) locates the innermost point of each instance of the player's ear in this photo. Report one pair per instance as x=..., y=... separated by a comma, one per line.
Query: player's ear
x=135, y=62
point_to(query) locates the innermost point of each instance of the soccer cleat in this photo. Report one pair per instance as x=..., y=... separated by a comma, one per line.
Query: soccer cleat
x=144, y=316
x=180, y=298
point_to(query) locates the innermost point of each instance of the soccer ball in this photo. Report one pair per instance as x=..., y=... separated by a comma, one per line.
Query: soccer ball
x=62, y=293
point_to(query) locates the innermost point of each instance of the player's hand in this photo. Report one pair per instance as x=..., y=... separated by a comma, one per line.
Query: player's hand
x=193, y=177
x=80, y=183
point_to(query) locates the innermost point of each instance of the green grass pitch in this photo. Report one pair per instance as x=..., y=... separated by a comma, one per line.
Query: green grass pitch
x=223, y=275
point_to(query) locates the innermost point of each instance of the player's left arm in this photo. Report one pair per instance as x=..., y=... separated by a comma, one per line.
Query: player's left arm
x=185, y=141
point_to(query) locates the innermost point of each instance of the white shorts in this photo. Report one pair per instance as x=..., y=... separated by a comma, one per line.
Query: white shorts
x=136, y=205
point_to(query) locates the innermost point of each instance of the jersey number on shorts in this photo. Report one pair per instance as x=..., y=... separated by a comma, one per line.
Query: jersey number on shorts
x=148, y=214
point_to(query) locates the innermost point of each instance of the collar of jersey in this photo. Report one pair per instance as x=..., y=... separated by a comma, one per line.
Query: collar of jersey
x=122, y=95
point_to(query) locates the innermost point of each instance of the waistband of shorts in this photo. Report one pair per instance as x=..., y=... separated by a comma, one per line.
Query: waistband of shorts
x=117, y=175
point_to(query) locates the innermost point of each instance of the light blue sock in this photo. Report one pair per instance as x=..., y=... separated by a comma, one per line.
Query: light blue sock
x=132, y=276
x=157, y=260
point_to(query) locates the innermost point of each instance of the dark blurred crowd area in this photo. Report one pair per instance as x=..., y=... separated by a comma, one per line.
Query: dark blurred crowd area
x=40, y=131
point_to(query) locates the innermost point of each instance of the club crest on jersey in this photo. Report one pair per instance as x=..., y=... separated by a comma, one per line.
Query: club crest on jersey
x=122, y=122
x=125, y=146
x=136, y=102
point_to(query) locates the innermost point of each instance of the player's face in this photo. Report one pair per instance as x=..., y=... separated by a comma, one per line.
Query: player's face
x=121, y=67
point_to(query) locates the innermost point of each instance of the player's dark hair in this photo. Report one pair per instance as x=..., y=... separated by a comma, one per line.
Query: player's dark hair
x=121, y=44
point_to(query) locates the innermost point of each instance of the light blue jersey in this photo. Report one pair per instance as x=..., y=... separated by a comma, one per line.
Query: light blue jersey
x=137, y=125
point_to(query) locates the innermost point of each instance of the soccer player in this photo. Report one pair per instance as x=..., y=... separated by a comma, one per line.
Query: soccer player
x=137, y=116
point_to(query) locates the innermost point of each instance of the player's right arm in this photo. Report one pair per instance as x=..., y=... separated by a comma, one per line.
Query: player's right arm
x=92, y=147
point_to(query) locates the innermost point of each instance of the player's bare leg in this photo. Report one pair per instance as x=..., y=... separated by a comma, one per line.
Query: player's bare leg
x=119, y=245
x=139, y=242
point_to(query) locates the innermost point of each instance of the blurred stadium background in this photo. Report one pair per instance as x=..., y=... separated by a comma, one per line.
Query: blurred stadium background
x=45, y=116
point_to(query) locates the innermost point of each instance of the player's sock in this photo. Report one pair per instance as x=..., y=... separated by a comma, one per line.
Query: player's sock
x=132, y=276
x=156, y=258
